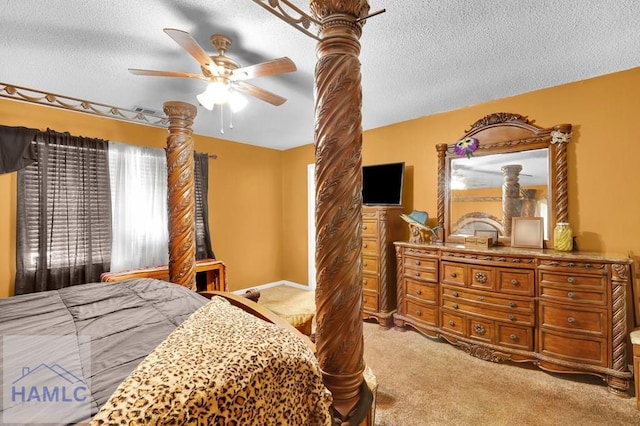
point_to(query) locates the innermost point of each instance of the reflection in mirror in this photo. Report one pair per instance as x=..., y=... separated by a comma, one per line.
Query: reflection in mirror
x=488, y=191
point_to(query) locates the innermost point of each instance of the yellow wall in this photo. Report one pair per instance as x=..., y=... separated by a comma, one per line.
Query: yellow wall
x=258, y=197
x=603, y=157
x=245, y=192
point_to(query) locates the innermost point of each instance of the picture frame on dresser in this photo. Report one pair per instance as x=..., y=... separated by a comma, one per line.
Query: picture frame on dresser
x=527, y=232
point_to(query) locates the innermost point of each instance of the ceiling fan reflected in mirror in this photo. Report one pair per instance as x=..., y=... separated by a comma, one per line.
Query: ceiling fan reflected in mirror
x=226, y=79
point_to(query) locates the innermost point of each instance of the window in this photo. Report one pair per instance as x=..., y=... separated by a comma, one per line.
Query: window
x=63, y=214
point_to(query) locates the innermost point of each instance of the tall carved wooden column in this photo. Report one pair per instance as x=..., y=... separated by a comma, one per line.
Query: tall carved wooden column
x=442, y=182
x=560, y=137
x=338, y=146
x=181, y=191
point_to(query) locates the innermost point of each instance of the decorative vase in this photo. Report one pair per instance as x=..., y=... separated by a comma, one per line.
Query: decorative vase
x=563, y=237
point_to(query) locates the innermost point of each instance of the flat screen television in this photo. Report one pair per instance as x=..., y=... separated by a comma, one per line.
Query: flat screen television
x=382, y=184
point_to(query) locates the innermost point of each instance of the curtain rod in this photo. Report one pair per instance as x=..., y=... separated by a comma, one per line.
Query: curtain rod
x=33, y=96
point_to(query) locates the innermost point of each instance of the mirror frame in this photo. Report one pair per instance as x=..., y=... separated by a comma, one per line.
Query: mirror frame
x=501, y=133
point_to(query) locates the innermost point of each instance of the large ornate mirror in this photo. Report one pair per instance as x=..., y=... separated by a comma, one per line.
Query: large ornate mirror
x=516, y=170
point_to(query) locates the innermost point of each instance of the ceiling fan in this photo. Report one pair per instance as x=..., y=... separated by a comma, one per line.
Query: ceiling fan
x=225, y=77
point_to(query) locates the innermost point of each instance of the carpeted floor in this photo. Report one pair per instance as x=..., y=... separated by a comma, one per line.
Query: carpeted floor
x=423, y=381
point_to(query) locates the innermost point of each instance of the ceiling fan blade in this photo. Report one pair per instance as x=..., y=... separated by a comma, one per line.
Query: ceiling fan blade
x=259, y=93
x=189, y=44
x=154, y=73
x=273, y=67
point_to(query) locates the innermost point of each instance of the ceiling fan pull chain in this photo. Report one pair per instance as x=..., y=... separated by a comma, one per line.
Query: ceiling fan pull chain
x=221, y=120
x=230, y=118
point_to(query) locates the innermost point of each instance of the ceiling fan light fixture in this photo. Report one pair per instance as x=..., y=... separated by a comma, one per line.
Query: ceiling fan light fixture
x=237, y=102
x=216, y=93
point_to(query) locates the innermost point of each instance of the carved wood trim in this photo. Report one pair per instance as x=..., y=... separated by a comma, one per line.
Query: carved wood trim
x=498, y=118
x=571, y=264
x=488, y=257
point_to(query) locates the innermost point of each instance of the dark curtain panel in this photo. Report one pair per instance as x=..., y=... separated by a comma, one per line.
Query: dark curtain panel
x=16, y=150
x=203, y=236
x=63, y=214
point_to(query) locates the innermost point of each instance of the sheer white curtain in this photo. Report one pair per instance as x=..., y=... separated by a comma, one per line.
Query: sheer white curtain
x=139, y=206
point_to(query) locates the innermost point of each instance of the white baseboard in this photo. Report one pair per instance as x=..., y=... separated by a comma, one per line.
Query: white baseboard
x=273, y=284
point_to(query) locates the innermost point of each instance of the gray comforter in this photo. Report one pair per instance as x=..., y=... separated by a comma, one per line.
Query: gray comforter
x=117, y=325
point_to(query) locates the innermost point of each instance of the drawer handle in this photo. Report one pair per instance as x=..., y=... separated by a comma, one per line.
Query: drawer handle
x=419, y=313
x=364, y=282
x=455, y=306
x=365, y=245
x=513, y=305
x=418, y=263
x=479, y=329
x=512, y=317
x=455, y=294
x=571, y=295
x=571, y=320
x=417, y=274
x=513, y=337
x=453, y=275
x=365, y=264
x=364, y=227
x=452, y=323
x=481, y=277
x=571, y=280
x=481, y=298
x=418, y=292
x=515, y=282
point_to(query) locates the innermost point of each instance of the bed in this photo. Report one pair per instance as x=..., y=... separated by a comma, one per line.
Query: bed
x=188, y=356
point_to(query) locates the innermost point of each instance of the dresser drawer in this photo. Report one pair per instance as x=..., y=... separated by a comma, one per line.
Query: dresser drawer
x=370, y=301
x=481, y=277
x=419, y=263
x=369, y=228
x=370, y=246
x=453, y=323
x=572, y=319
x=573, y=281
x=424, y=314
x=453, y=273
x=514, y=336
x=424, y=292
x=573, y=295
x=488, y=300
x=480, y=329
x=421, y=274
x=574, y=348
x=370, y=282
x=370, y=264
x=516, y=281
x=480, y=310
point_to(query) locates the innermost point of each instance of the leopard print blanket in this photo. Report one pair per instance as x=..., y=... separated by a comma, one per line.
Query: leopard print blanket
x=223, y=366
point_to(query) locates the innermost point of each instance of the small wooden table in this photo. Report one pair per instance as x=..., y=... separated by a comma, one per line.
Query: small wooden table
x=214, y=270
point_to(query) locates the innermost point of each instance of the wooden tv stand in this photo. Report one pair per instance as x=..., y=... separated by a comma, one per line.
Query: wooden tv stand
x=564, y=312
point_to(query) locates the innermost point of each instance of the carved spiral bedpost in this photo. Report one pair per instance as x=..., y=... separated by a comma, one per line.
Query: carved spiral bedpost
x=338, y=146
x=181, y=194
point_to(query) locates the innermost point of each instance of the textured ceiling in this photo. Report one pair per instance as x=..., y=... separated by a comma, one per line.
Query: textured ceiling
x=418, y=58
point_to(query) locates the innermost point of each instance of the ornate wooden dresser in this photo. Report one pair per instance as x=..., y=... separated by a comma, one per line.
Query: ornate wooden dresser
x=381, y=226
x=565, y=312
